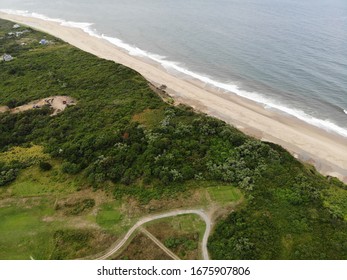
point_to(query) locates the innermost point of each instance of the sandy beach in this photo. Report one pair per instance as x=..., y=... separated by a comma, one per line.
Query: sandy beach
x=326, y=151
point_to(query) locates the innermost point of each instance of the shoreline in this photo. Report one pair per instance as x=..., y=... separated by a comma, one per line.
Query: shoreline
x=326, y=151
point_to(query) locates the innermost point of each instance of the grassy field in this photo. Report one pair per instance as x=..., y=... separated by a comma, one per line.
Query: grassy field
x=34, y=182
x=142, y=248
x=181, y=234
x=224, y=194
x=23, y=231
x=32, y=227
x=43, y=214
x=110, y=216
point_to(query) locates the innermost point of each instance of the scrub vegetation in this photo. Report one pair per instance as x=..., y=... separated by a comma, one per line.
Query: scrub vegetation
x=121, y=141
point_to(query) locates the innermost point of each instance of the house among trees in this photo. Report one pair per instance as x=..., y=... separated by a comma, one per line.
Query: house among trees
x=16, y=26
x=43, y=42
x=7, y=57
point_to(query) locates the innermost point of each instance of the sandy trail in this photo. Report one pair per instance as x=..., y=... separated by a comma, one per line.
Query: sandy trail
x=173, y=213
x=327, y=151
x=58, y=103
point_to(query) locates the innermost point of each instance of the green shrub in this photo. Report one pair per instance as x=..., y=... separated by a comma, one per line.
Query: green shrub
x=7, y=176
x=70, y=168
x=45, y=166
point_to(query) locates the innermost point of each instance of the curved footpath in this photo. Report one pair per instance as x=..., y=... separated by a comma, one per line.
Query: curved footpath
x=174, y=213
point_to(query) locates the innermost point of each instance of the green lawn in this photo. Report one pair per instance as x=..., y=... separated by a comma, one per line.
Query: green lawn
x=24, y=233
x=188, y=224
x=224, y=194
x=110, y=216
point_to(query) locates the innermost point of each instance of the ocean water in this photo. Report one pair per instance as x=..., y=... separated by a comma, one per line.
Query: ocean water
x=288, y=55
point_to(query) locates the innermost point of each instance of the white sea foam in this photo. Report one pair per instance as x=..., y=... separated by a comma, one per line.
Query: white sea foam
x=327, y=125
x=85, y=26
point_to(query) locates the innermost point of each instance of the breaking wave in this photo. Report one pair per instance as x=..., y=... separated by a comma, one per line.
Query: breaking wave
x=326, y=124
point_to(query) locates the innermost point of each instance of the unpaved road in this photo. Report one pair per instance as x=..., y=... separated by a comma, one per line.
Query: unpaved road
x=160, y=245
x=173, y=213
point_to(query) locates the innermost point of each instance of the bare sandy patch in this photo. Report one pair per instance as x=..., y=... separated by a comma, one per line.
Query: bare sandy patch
x=4, y=109
x=57, y=103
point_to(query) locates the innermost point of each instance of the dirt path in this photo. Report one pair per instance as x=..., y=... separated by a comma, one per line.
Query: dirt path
x=173, y=213
x=160, y=245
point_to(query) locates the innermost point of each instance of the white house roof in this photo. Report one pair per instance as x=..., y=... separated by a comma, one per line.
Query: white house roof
x=43, y=42
x=7, y=57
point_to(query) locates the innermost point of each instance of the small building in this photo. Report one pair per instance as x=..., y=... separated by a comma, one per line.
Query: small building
x=20, y=33
x=43, y=42
x=7, y=57
x=16, y=26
